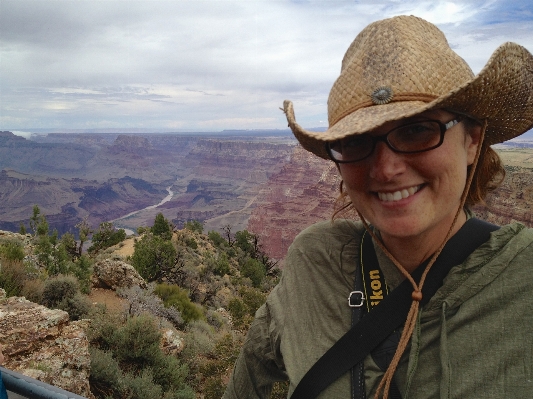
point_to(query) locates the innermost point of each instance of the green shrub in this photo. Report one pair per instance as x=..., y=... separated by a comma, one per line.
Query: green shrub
x=33, y=290
x=191, y=242
x=12, y=277
x=200, y=340
x=103, y=327
x=62, y=292
x=77, y=307
x=58, y=288
x=215, y=319
x=245, y=241
x=238, y=311
x=216, y=238
x=12, y=250
x=127, y=362
x=106, y=376
x=169, y=372
x=106, y=236
x=214, y=388
x=82, y=269
x=152, y=255
x=186, y=392
x=53, y=259
x=172, y=295
x=243, y=309
x=141, y=386
x=253, y=299
x=195, y=225
x=161, y=227
x=137, y=343
x=222, y=265
x=254, y=270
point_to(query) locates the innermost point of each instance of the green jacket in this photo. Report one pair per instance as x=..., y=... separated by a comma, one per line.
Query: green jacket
x=474, y=339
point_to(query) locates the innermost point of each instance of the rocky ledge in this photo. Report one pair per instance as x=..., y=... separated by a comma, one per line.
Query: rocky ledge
x=42, y=343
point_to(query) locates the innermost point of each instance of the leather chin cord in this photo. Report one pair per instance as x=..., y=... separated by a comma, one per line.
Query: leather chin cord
x=410, y=322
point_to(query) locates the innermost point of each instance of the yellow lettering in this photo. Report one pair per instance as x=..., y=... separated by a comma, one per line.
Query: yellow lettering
x=375, y=284
x=374, y=274
x=377, y=295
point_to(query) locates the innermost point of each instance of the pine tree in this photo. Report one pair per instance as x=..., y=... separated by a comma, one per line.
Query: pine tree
x=162, y=227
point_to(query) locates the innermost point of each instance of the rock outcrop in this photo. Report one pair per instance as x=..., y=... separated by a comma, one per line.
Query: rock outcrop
x=114, y=274
x=43, y=344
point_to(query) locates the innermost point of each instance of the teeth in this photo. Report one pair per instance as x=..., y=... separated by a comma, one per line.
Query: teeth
x=398, y=195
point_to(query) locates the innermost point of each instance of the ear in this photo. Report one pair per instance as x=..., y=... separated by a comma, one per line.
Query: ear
x=473, y=137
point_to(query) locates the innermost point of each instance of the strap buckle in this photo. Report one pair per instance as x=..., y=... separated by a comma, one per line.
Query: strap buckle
x=356, y=299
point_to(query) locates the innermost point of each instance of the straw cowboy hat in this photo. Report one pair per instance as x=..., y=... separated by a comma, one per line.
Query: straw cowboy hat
x=402, y=66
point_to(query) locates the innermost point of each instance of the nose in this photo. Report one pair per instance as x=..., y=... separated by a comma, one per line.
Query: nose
x=385, y=163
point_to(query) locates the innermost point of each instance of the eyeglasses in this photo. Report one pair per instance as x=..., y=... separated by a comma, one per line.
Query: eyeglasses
x=406, y=139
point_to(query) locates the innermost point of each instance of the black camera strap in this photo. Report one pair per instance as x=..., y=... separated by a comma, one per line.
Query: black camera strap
x=371, y=330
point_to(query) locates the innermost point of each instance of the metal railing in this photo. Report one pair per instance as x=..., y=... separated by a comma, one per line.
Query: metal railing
x=20, y=386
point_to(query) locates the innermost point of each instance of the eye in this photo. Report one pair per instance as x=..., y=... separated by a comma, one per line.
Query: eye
x=355, y=141
x=419, y=131
x=416, y=129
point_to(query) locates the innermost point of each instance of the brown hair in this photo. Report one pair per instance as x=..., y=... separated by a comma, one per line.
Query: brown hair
x=489, y=173
x=487, y=177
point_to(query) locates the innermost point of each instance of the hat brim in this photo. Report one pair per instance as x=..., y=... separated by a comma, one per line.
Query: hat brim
x=502, y=94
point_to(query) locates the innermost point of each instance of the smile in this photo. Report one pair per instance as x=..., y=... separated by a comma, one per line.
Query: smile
x=398, y=195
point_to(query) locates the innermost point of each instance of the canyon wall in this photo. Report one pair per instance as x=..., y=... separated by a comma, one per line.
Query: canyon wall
x=266, y=184
x=65, y=202
x=214, y=179
x=300, y=194
x=303, y=192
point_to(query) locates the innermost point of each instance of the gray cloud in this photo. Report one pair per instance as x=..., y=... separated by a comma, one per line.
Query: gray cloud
x=214, y=64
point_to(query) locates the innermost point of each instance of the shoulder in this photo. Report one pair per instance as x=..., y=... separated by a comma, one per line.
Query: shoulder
x=328, y=234
x=507, y=242
x=325, y=247
x=501, y=262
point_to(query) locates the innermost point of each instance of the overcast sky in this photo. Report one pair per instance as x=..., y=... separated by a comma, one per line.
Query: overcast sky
x=206, y=65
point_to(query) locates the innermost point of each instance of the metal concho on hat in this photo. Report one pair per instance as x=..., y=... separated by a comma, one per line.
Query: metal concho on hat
x=382, y=95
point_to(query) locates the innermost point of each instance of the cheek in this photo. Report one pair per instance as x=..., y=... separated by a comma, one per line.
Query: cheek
x=353, y=176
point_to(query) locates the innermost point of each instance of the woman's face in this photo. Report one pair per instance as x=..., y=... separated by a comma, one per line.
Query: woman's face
x=407, y=195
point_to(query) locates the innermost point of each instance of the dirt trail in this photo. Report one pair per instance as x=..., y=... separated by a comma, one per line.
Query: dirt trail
x=109, y=298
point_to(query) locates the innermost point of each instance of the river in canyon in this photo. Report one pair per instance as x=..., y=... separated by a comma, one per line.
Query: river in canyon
x=117, y=222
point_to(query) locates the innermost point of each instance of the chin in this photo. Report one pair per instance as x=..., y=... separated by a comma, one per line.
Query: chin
x=402, y=228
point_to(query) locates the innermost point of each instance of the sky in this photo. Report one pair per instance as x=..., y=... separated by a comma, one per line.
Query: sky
x=206, y=65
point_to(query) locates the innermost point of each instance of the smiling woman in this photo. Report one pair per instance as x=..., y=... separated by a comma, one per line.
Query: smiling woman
x=410, y=129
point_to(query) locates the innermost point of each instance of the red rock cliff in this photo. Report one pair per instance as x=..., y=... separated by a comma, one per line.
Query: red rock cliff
x=302, y=193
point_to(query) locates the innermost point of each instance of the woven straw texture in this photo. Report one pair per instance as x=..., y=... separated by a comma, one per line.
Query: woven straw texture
x=412, y=57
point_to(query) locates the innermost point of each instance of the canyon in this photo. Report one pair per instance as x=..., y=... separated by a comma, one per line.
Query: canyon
x=261, y=181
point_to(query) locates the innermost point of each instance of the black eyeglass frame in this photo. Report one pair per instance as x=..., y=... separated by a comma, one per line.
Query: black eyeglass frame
x=384, y=137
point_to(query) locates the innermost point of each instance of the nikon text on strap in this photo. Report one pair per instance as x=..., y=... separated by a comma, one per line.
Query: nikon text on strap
x=377, y=325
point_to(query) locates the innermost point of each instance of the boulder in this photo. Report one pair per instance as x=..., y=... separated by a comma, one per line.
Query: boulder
x=171, y=342
x=112, y=273
x=42, y=343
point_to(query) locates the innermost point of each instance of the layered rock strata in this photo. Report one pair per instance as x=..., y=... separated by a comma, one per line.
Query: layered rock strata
x=43, y=344
x=302, y=193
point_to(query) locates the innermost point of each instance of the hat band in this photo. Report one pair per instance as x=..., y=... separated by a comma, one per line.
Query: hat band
x=427, y=98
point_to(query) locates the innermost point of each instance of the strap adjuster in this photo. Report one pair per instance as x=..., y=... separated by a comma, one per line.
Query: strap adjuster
x=356, y=299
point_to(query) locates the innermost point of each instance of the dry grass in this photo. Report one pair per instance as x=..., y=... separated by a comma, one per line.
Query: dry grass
x=522, y=157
